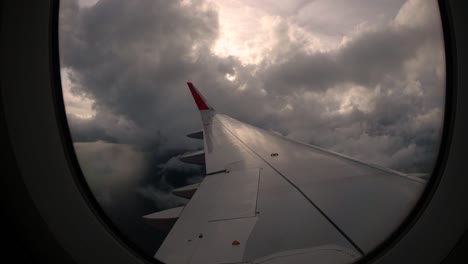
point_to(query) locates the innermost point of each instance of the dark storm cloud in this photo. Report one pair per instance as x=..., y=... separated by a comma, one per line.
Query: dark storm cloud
x=125, y=56
x=134, y=57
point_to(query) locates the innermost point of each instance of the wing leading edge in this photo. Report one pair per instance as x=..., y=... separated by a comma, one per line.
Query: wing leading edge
x=268, y=199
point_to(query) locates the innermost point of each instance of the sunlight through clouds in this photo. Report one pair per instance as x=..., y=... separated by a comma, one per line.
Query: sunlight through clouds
x=250, y=33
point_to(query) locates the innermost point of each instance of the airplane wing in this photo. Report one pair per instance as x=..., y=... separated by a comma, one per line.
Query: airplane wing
x=268, y=199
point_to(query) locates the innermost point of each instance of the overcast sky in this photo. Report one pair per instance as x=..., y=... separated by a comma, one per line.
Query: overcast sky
x=365, y=78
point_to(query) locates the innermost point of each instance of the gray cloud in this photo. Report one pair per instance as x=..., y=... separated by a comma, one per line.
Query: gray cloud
x=88, y=130
x=369, y=59
x=166, y=199
x=339, y=17
x=110, y=164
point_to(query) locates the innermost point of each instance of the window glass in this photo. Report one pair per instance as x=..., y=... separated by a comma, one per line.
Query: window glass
x=364, y=78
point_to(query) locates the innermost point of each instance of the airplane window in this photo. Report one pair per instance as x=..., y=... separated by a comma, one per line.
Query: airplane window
x=318, y=123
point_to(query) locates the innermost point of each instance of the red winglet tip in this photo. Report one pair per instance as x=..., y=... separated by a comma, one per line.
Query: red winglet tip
x=197, y=97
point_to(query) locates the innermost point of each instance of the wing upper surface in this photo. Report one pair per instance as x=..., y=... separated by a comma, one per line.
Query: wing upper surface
x=366, y=201
x=266, y=195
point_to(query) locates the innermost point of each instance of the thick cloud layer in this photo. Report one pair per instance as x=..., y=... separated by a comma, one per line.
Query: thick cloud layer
x=375, y=93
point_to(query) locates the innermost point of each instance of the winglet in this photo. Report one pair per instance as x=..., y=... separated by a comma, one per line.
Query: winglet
x=199, y=100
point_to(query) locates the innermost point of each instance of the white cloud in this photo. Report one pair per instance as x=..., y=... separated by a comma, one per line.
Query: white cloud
x=75, y=104
x=356, y=97
x=250, y=32
x=418, y=14
x=87, y=3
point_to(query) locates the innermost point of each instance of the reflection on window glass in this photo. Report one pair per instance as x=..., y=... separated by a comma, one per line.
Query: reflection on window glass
x=363, y=78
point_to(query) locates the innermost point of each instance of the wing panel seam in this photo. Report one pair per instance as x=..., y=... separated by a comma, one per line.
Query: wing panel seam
x=258, y=189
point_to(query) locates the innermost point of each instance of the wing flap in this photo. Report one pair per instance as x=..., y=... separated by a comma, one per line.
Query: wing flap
x=330, y=254
x=224, y=241
x=220, y=199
